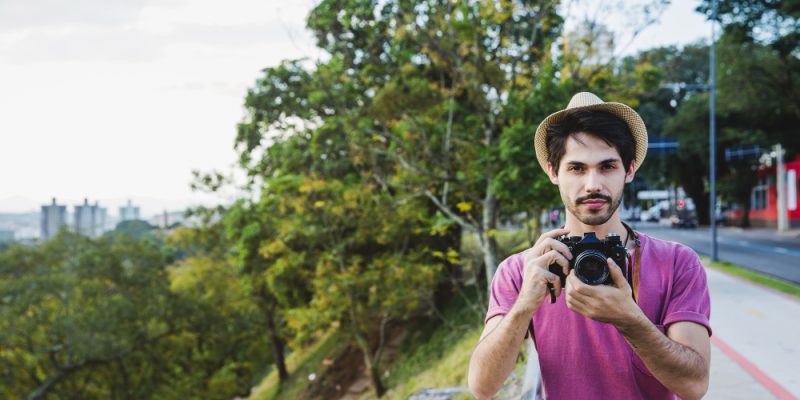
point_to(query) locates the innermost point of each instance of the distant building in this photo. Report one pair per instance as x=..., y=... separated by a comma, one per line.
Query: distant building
x=90, y=220
x=764, y=198
x=129, y=212
x=6, y=236
x=168, y=219
x=54, y=217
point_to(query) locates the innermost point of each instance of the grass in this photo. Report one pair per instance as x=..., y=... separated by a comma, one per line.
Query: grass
x=434, y=354
x=300, y=364
x=755, y=277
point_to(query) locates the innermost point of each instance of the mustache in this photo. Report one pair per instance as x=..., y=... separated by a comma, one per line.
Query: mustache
x=593, y=196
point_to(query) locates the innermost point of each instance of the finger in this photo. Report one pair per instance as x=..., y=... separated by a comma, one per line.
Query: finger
x=576, y=303
x=616, y=274
x=552, y=234
x=554, y=257
x=555, y=281
x=577, y=288
x=558, y=245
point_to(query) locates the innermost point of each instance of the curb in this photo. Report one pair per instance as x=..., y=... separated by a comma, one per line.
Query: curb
x=770, y=384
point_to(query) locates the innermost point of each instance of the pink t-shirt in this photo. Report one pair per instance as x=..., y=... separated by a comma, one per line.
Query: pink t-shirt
x=584, y=359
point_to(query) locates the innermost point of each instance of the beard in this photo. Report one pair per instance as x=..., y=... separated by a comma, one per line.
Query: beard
x=589, y=216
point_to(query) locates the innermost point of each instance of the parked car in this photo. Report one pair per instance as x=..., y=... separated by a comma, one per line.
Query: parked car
x=684, y=216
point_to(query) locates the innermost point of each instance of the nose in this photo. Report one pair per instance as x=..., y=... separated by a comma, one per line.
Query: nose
x=593, y=181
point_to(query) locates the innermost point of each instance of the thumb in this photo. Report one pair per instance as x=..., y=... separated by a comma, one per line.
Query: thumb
x=616, y=274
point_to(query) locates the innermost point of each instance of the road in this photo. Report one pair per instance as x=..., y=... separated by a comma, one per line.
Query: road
x=760, y=250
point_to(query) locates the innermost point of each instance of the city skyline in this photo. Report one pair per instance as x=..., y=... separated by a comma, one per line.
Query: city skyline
x=123, y=100
x=149, y=207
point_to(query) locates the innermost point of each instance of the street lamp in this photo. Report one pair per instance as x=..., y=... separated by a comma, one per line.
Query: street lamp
x=713, y=134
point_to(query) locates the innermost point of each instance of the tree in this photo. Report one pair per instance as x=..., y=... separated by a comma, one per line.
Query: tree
x=366, y=255
x=79, y=315
x=109, y=318
x=416, y=94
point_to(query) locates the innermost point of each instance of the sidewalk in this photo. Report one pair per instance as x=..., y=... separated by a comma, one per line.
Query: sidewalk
x=755, y=347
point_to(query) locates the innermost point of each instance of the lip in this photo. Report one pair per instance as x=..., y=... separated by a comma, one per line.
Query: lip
x=594, y=204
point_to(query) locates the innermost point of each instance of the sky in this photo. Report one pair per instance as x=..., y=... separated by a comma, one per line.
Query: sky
x=121, y=99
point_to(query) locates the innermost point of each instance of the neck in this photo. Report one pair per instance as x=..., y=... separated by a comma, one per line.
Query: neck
x=613, y=225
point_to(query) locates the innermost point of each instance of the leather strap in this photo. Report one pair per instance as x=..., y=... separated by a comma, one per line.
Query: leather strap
x=635, y=273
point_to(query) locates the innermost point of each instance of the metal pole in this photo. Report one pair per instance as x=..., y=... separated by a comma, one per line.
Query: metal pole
x=780, y=176
x=713, y=134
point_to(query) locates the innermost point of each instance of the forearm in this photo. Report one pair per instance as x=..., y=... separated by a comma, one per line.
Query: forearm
x=678, y=367
x=496, y=354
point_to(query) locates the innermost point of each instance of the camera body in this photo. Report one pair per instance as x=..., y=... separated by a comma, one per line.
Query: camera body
x=589, y=256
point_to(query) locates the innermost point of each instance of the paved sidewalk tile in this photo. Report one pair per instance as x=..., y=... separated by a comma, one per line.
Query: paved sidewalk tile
x=760, y=326
x=729, y=381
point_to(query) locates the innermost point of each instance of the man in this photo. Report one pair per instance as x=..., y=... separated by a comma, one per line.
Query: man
x=645, y=340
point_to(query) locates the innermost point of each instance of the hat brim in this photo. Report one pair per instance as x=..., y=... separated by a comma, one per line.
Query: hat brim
x=625, y=113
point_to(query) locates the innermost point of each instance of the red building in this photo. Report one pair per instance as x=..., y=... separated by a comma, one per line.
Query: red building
x=764, y=198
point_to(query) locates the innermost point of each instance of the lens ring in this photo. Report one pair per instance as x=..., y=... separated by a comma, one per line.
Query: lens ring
x=591, y=267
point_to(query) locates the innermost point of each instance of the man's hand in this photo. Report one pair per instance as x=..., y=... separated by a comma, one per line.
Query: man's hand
x=604, y=303
x=497, y=350
x=536, y=275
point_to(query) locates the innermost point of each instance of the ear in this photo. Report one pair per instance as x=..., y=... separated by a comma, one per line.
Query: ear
x=552, y=174
x=631, y=171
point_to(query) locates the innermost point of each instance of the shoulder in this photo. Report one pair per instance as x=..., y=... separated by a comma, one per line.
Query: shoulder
x=513, y=265
x=666, y=249
x=674, y=259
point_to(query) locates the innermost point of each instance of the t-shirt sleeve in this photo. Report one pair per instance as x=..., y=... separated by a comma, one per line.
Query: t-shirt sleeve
x=505, y=287
x=689, y=298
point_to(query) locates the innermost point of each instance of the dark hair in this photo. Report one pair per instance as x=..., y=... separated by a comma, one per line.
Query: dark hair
x=603, y=125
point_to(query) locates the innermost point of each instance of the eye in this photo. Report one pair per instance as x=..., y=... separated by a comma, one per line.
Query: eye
x=575, y=168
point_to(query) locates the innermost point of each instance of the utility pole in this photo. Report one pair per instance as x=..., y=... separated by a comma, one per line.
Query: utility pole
x=713, y=135
x=781, y=180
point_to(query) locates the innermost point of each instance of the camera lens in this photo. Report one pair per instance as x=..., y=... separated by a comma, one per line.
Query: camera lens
x=591, y=267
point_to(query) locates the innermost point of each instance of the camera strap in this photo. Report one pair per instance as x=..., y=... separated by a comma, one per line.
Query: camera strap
x=634, y=263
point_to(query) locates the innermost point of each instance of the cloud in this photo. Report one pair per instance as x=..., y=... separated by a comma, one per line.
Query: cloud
x=27, y=14
x=93, y=44
x=128, y=44
x=135, y=31
x=234, y=89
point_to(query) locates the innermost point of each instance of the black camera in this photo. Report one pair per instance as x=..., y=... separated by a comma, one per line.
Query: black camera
x=589, y=256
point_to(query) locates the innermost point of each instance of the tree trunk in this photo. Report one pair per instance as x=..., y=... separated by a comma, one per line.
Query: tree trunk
x=489, y=229
x=372, y=368
x=377, y=384
x=694, y=185
x=536, y=230
x=277, y=348
x=528, y=228
x=452, y=271
x=746, y=216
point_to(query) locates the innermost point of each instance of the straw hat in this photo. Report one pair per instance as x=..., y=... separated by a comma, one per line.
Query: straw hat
x=589, y=101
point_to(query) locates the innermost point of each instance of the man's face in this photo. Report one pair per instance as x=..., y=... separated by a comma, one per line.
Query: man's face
x=591, y=178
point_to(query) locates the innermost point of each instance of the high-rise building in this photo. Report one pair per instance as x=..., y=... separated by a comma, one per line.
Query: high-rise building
x=54, y=217
x=128, y=212
x=6, y=236
x=90, y=220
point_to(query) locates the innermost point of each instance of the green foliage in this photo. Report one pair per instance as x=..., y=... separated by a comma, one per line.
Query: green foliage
x=365, y=258
x=134, y=229
x=102, y=318
x=414, y=96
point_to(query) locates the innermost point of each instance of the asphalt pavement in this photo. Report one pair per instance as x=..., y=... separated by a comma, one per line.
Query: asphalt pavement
x=761, y=250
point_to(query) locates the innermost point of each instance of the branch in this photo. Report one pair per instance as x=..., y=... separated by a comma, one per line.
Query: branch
x=64, y=371
x=381, y=339
x=445, y=209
